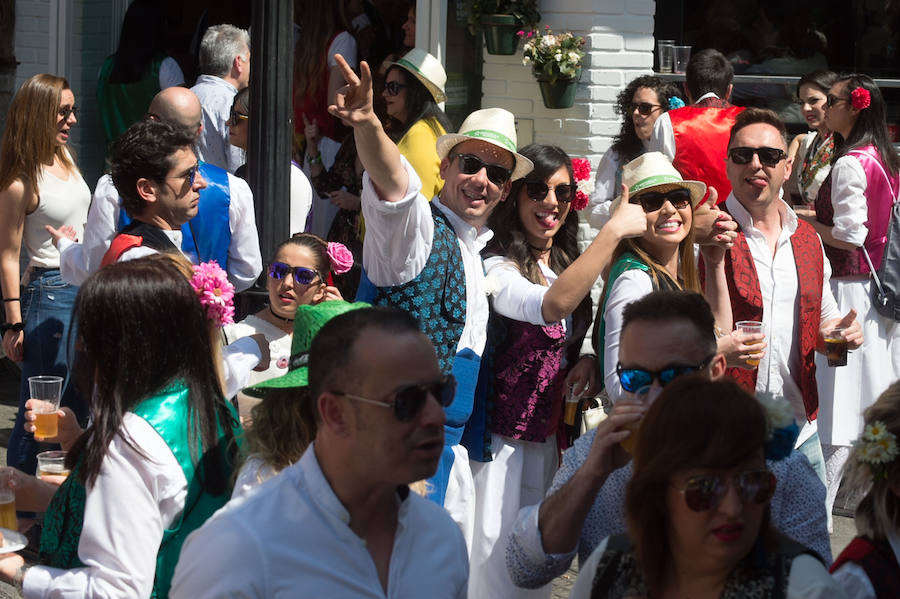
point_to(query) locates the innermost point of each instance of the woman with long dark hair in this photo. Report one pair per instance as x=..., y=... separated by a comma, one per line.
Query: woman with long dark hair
x=40, y=186
x=540, y=284
x=642, y=101
x=697, y=508
x=851, y=216
x=811, y=152
x=156, y=461
x=413, y=87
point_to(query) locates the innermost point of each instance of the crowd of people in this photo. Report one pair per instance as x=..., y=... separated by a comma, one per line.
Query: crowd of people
x=396, y=418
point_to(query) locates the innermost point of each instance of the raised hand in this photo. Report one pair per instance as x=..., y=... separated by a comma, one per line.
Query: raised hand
x=66, y=231
x=629, y=219
x=353, y=101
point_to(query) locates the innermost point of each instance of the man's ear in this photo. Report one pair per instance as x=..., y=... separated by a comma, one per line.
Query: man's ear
x=335, y=414
x=506, y=188
x=146, y=189
x=445, y=165
x=728, y=91
x=717, y=367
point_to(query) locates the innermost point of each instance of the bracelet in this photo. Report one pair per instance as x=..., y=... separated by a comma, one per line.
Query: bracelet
x=317, y=159
x=15, y=327
x=10, y=299
x=19, y=579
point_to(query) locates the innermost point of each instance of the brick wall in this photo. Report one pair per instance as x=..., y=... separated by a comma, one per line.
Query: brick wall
x=32, y=38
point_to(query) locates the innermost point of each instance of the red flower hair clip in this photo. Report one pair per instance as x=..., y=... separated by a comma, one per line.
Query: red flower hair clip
x=581, y=169
x=860, y=98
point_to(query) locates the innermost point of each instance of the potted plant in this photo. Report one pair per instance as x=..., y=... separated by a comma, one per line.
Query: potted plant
x=556, y=63
x=500, y=19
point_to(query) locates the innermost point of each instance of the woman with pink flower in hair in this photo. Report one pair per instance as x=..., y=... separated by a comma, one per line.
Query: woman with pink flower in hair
x=300, y=273
x=852, y=211
x=541, y=309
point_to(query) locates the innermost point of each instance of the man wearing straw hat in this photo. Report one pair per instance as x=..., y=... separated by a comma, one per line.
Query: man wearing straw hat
x=425, y=257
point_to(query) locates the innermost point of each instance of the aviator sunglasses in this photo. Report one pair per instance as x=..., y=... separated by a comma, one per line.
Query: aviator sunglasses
x=469, y=164
x=633, y=379
x=643, y=108
x=538, y=190
x=768, y=156
x=302, y=275
x=705, y=492
x=651, y=201
x=408, y=400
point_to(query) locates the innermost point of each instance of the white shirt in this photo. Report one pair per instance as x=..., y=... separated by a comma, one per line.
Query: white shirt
x=781, y=307
x=291, y=538
x=399, y=236
x=216, y=97
x=301, y=199
x=515, y=296
x=79, y=260
x=848, y=197
x=133, y=500
x=808, y=578
x=628, y=287
x=170, y=73
x=253, y=474
x=663, y=137
x=853, y=579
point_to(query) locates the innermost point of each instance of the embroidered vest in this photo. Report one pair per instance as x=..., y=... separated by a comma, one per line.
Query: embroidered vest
x=169, y=414
x=764, y=574
x=878, y=561
x=881, y=189
x=137, y=234
x=437, y=296
x=747, y=304
x=207, y=236
x=701, y=142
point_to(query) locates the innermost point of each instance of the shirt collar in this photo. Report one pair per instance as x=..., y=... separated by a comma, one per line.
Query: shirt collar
x=707, y=95
x=218, y=81
x=745, y=221
x=474, y=239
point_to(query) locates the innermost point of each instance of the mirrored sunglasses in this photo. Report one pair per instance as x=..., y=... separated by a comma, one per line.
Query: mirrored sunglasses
x=408, y=401
x=302, y=275
x=538, y=190
x=651, y=201
x=705, y=492
x=767, y=156
x=633, y=379
x=469, y=164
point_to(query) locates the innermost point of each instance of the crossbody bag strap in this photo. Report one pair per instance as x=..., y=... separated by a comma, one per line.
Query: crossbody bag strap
x=893, y=207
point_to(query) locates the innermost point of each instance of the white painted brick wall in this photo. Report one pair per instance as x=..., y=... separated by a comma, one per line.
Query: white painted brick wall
x=32, y=38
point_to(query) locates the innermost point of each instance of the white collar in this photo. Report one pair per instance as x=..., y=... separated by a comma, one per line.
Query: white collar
x=745, y=221
x=708, y=95
x=213, y=79
x=474, y=239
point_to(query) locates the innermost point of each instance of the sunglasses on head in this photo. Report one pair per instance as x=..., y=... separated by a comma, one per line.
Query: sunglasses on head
x=469, y=164
x=302, y=275
x=651, y=201
x=643, y=108
x=767, y=156
x=633, y=379
x=408, y=401
x=393, y=87
x=538, y=190
x=831, y=100
x=705, y=492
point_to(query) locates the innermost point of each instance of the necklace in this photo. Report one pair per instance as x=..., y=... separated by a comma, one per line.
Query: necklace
x=281, y=318
x=539, y=250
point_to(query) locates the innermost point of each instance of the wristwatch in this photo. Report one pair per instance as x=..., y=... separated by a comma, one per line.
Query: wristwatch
x=15, y=327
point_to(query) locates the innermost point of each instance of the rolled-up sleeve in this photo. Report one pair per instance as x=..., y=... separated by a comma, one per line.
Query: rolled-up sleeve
x=848, y=198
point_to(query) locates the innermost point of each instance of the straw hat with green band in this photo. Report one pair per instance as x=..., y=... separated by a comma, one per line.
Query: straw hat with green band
x=652, y=170
x=307, y=322
x=495, y=126
x=427, y=69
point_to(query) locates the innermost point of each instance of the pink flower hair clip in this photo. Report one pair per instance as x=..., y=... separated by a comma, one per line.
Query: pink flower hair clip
x=340, y=257
x=860, y=98
x=581, y=169
x=215, y=292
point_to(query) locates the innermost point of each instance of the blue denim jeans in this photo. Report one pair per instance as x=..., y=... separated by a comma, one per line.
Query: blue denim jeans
x=47, y=304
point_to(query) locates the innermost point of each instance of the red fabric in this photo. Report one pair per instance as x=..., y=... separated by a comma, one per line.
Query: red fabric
x=701, y=143
x=121, y=244
x=747, y=304
x=879, y=563
x=315, y=105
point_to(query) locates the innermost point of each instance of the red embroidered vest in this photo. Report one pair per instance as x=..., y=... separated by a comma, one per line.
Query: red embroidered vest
x=701, y=142
x=877, y=560
x=880, y=190
x=747, y=304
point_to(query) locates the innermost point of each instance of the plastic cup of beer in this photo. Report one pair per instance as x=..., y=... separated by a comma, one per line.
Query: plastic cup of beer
x=7, y=502
x=52, y=463
x=751, y=327
x=836, y=347
x=45, y=393
x=645, y=395
x=572, y=401
x=665, y=50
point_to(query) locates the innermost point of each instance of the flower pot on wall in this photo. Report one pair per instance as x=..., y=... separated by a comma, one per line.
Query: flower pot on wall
x=559, y=93
x=500, y=34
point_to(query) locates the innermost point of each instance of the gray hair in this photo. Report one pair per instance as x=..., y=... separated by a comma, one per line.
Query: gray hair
x=219, y=47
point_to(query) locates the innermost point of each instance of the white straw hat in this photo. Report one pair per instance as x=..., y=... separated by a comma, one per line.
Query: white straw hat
x=653, y=169
x=427, y=69
x=495, y=126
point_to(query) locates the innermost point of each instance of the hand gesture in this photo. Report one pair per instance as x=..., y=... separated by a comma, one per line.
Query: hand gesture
x=312, y=134
x=68, y=427
x=353, y=102
x=67, y=231
x=629, y=219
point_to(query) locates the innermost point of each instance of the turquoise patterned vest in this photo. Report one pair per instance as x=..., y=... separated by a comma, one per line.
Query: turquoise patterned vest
x=168, y=413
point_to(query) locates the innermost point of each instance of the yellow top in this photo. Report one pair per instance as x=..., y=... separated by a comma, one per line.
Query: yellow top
x=418, y=146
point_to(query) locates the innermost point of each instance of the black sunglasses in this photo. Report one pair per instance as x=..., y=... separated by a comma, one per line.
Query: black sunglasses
x=831, y=100
x=393, y=87
x=469, y=164
x=65, y=111
x=234, y=117
x=651, y=201
x=643, y=108
x=633, y=379
x=302, y=275
x=408, y=401
x=768, y=156
x=538, y=190
x=705, y=492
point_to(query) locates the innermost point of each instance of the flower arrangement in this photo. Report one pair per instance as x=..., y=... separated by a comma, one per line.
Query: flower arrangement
x=552, y=56
x=860, y=98
x=584, y=183
x=214, y=291
x=340, y=257
x=876, y=447
x=781, y=428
